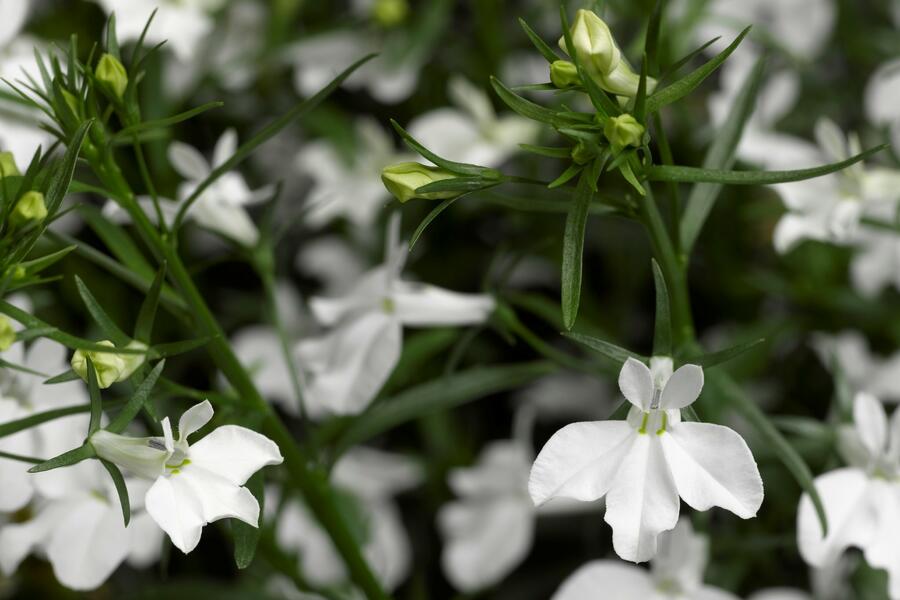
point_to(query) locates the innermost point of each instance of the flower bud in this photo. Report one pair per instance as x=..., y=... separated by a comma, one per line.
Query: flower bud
x=30, y=207
x=593, y=43
x=7, y=333
x=112, y=75
x=143, y=456
x=8, y=165
x=110, y=367
x=583, y=153
x=403, y=179
x=390, y=13
x=623, y=130
x=563, y=74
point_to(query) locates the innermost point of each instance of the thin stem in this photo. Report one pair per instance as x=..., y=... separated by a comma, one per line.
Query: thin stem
x=148, y=183
x=665, y=153
x=268, y=281
x=20, y=458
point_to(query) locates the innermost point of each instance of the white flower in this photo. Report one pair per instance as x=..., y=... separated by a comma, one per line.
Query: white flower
x=77, y=525
x=194, y=484
x=333, y=262
x=881, y=95
x=642, y=465
x=676, y=573
x=342, y=188
x=864, y=370
x=472, y=133
x=367, y=478
x=344, y=368
x=22, y=395
x=862, y=501
x=221, y=207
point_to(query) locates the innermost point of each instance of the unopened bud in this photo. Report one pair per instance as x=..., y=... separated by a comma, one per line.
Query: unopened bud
x=623, y=130
x=583, y=153
x=403, y=179
x=109, y=367
x=8, y=165
x=7, y=333
x=563, y=74
x=112, y=75
x=30, y=207
x=390, y=13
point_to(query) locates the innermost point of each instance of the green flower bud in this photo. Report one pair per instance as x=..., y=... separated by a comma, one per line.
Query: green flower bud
x=403, y=179
x=30, y=207
x=8, y=165
x=110, y=367
x=623, y=130
x=112, y=75
x=564, y=74
x=7, y=333
x=72, y=102
x=389, y=13
x=583, y=153
x=144, y=456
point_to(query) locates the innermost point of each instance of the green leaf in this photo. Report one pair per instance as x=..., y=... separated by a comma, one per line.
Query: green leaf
x=726, y=387
x=542, y=47
x=617, y=354
x=455, y=167
x=571, y=171
x=246, y=537
x=695, y=174
x=527, y=108
x=137, y=400
x=121, y=489
x=640, y=100
x=676, y=66
x=458, y=184
x=720, y=156
x=96, y=400
x=552, y=152
x=59, y=183
x=431, y=216
x=11, y=427
x=263, y=136
x=110, y=329
x=64, y=377
x=174, y=348
x=112, y=42
x=119, y=243
x=143, y=327
x=440, y=394
x=714, y=358
x=20, y=458
x=573, y=249
x=662, y=330
x=686, y=84
x=65, y=459
x=37, y=265
x=603, y=104
x=129, y=132
x=651, y=41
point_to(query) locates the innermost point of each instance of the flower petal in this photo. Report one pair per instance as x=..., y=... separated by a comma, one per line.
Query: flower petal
x=708, y=592
x=636, y=383
x=682, y=388
x=871, y=423
x=617, y=580
x=712, y=466
x=580, y=461
x=144, y=541
x=234, y=453
x=225, y=147
x=851, y=522
x=376, y=474
x=219, y=498
x=193, y=419
x=780, y=594
x=175, y=509
x=188, y=162
x=18, y=540
x=388, y=547
x=882, y=553
x=423, y=305
x=643, y=501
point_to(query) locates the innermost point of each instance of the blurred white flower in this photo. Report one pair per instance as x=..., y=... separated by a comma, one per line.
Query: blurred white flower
x=194, y=484
x=881, y=95
x=864, y=370
x=675, y=573
x=368, y=479
x=331, y=260
x=642, y=465
x=568, y=396
x=344, y=368
x=320, y=58
x=24, y=394
x=861, y=501
x=472, y=132
x=77, y=525
x=343, y=189
x=780, y=594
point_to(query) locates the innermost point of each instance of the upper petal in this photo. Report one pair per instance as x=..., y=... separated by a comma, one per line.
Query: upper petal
x=643, y=501
x=712, y=466
x=423, y=305
x=683, y=388
x=617, y=580
x=870, y=422
x=235, y=453
x=189, y=163
x=580, y=461
x=226, y=146
x=193, y=419
x=636, y=383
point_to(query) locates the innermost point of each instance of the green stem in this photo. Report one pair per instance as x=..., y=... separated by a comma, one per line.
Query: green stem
x=268, y=281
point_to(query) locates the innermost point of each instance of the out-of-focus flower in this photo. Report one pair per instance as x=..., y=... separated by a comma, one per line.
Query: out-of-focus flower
x=8, y=165
x=642, y=465
x=344, y=368
x=333, y=262
x=344, y=189
x=30, y=207
x=110, y=367
x=861, y=501
x=597, y=51
x=675, y=573
x=863, y=370
x=403, y=179
x=194, y=484
x=78, y=526
x=367, y=479
x=471, y=132
x=7, y=333
x=881, y=95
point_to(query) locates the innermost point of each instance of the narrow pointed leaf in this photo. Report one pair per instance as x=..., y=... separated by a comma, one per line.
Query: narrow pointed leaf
x=11, y=427
x=431, y=216
x=96, y=400
x=174, y=348
x=640, y=100
x=455, y=167
x=662, y=331
x=144, y=126
x=715, y=358
x=651, y=42
x=64, y=377
x=676, y=66
x=615, y=353
x=121, y=489
x=573, y=249
x=109, y=328
x=542, y=46
x=39, y=264
x=143, y=327
x=137, y=400
x=65, y=459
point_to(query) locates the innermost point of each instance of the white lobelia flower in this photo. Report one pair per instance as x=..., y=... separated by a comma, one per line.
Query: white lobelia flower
x=78, y=527
x=22, y=395
x=861, y=501
x=220, y=207
x=676, y=573
x=344, y=189
x=643, y=464
x=198, y=483
x=864, y=370
x=881, y=99
x=472, y=132
x=344, y=368
x=368, y=479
